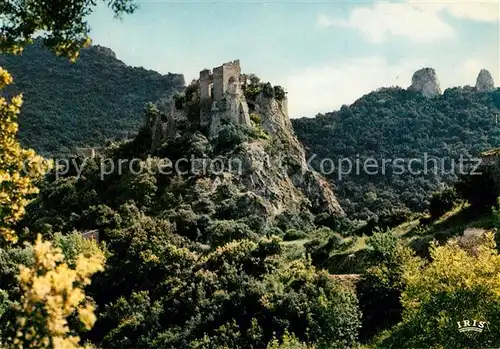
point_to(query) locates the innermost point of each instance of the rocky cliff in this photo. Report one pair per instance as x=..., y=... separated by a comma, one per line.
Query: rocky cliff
x=262, y=160
x=426, y=82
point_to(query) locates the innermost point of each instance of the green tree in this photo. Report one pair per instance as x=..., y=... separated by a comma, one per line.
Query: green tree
x=379, y=289
x=442, y=202
x=62, y=23
x=192, y=304
x=288, y=342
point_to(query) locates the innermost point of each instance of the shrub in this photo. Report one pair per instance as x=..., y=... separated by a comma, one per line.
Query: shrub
x=393, y=218
x=481, y=190
x=231, y=135
x=381, y=284
x=293, y=234
x=456, y=285
x=302, y=221
x=179, y=100
x=268, y=90
x=253, y=87
x=256, y=118
x=221, y=232
x=442, y=202
x=288, y=342
x=324, y=243
x=382, y=246
x=270, y=231
x=53, y=298
x=279, y=93
x=340, y=224
x=194, y=307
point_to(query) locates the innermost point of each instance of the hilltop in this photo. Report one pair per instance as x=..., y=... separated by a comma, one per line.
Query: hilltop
x=395, y=123
x=87, y=103
x=100, y=99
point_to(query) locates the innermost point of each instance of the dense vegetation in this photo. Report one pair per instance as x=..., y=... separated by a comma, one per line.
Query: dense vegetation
x=86, y=103
x=177, y=269
x=186, y=261
x=394, y=123
x=183, y=256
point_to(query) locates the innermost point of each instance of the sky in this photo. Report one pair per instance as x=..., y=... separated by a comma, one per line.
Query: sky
x=325, y=53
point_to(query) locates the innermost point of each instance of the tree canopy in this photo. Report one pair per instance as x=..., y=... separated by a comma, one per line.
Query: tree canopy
x=61, y=23
x=393, y=123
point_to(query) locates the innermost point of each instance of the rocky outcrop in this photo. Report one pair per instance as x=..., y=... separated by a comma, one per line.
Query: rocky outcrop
x=484, y=81
x=106, y=51
x=426, y=82
x=276, y=122
x=269, y=171
x=276, y=183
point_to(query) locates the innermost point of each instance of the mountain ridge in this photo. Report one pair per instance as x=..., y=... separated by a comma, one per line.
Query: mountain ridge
x=397, y=123
x=68, y=105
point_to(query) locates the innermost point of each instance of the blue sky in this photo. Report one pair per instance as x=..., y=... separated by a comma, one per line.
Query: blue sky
x=325, y=53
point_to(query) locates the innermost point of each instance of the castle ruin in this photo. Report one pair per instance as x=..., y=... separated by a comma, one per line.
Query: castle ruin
x=221, y=97
x=218, y=96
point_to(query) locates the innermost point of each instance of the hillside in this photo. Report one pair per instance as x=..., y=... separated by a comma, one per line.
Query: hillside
x=211, y=207
x=194, y=239
x=393, y=123
x=81, y=104
x=187, y=247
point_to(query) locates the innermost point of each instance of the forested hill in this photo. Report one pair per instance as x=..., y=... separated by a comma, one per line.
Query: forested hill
x=396, y=123
x=81, y=104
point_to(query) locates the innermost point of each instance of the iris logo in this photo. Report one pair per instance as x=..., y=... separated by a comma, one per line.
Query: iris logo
x=471, y=326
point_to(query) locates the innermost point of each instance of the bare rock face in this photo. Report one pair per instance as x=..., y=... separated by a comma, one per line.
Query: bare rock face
x=485, y=81
x=275, y=122
x=426, y=82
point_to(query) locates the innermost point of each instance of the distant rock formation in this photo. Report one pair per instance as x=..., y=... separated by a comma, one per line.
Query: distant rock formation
x=426, y=82
x=485, y=81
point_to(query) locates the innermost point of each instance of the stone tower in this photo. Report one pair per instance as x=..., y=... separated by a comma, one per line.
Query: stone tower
x=222, y=97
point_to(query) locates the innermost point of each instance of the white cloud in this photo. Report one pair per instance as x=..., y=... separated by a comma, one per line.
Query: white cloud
x=479, y=10
x=383, y=19
x=418, y=21
x=325, y=88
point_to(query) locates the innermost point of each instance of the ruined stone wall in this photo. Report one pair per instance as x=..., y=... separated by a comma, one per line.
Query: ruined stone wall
x=206, y=81
x=221, y=98
x=231, y=73
x=224, y=75
x=219, y=83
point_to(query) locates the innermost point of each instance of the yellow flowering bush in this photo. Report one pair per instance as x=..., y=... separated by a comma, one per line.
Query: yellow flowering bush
x=18, y=167
x=52, y=293
x=453, y=269
x=460, y=283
